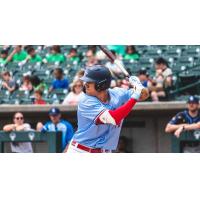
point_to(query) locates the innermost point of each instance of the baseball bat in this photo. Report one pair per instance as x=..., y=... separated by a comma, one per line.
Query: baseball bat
x=145, y=92
x=113, y=59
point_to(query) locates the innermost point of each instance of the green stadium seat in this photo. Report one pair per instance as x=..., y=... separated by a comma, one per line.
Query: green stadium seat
x=42, y=73
x=146, y=60
x=58, y=94
x=193, y=51
x=18, y=94
x=154, y=52
x=48, y=100
x=13, y=101
x=82, y=48
x=178, y=67
x=26, y=101
x=186, y=60
x=174, y=51
x=4, y=96
x=12, y=67
x=182, y=98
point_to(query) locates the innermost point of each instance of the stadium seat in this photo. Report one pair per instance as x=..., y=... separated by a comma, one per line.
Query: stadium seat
x=26, y=101
x=186, y=60
x=19, y=94
x=154, y=52
x=193, y=51
x=4, y=96
x=42, y=74
x=58, y=95
x=12, y=67
x=178, y=67
x=174, y=51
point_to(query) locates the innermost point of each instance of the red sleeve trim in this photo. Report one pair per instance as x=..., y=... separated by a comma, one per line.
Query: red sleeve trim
x=120, y=113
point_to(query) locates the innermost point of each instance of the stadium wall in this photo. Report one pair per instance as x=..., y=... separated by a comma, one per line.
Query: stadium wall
x=144, y=127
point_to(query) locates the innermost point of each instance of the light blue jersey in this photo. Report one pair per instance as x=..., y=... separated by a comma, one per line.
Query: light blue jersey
x=63, y=126
x=103, y=136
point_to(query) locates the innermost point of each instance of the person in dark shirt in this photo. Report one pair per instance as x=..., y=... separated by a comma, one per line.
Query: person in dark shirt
x=60, y=82
x=143, y=76
x=187, y=120
x=56, y=124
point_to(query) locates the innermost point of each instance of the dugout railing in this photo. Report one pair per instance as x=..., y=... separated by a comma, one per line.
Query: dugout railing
x=53, y=139
x=187, y=137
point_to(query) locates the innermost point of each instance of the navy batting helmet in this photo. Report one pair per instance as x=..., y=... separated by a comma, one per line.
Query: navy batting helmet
x=99, y=75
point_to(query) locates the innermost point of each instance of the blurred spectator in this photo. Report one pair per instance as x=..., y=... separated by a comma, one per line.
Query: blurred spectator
x=125, y=84
x=143, y=76
x=3, y=57
x=187, y=120
x=156, y=86
x=33, y=57
x=17, y=55
x=73, y=55
x=55, y=55
x=57, y=124
x=8, y=82
x=122, y=145
x=162, y=64
x=26, y=84
x=38, y=84
x=131, y=53
x=38, y=98
x=74, y=96
x=60, y=82
x=93, y=48
x=19, y=125
x=119, y=49
x=91, y=58
x=78, y=75
x=162, y=80
x=116, y=72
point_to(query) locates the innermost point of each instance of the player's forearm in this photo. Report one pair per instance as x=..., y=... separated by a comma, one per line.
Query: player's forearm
x=11, y=89
x=171, y=128
x=9, y=127
x=9, y=58
x=194, y=126
x=116, y=116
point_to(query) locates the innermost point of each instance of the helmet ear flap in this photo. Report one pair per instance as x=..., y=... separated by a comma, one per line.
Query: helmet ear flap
x=102, y=85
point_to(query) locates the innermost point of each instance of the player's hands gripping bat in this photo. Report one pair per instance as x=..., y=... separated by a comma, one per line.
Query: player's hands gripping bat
x=145, y=91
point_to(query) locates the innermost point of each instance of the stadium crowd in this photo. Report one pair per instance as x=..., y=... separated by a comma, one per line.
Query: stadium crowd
x=49, y=74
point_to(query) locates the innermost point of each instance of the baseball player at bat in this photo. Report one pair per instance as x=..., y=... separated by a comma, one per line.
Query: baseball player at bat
x=101, y=111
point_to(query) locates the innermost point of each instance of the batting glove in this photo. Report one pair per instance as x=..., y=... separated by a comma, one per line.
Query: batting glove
x=137, y=87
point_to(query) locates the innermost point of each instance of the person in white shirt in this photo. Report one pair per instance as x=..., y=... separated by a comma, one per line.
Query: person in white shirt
x=74, y=96
x=19, y=125
x=162, y=64
x=115, y=71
